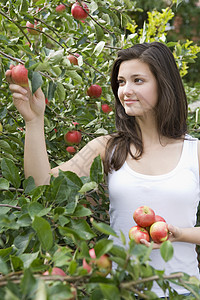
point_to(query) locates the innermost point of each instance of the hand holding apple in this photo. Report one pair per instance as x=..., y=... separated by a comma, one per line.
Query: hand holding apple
x=31, y=107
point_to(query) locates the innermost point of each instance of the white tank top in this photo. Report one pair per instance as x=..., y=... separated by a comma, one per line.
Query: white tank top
x=174, y=196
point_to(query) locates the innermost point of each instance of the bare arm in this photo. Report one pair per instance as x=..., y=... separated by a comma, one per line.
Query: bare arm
x=82, y=161
x=177, y=234
x=36, y=163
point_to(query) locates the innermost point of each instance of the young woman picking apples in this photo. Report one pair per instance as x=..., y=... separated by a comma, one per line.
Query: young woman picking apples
x=150, y=160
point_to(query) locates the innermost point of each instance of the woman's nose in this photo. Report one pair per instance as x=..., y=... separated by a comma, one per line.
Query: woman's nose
x=128, y=89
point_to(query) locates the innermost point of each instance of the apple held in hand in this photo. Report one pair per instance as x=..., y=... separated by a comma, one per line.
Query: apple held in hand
x=73, y=137
x=137, y=233
x=19, y=75
x=79, y=12
x=144, y=216
x=159, y=232
x=159, y=218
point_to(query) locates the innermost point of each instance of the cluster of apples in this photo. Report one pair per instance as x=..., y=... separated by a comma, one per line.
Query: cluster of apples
x=78, y=11
x=149, y=226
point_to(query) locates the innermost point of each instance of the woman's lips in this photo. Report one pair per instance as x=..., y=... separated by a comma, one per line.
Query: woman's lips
x=130, y=101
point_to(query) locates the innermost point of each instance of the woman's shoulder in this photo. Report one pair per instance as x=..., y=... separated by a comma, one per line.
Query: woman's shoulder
x=99, y=144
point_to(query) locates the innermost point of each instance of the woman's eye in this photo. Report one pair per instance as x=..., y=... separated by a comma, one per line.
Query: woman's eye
x=138, y=80
x=120, y=82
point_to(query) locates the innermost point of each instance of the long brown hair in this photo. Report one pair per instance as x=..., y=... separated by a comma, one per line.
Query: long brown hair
x=170, y=111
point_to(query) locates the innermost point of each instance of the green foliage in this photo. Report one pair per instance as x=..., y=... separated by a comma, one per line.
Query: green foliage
x=55, y=225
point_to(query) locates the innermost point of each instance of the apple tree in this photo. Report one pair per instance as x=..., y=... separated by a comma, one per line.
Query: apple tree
x=47, y=232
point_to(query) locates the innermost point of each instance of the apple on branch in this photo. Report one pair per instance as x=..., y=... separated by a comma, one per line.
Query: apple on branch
x=60, y=8
x=103, y=264
x=106, y=108
x=136, y=233
x=94, y=91
x=19, y=75
x=78, y=12
x=71, y=149
x=55, y=271
x=73, y=58
x=73, y=137
x=144, y=216
x=31, y=28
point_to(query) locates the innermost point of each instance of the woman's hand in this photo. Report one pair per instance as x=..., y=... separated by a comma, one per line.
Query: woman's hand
x=31, y=107
x=174, y=235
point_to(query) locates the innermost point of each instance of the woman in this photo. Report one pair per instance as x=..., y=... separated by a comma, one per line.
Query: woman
x=150, y=160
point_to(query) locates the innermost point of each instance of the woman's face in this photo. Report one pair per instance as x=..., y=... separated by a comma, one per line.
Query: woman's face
x=138, y=90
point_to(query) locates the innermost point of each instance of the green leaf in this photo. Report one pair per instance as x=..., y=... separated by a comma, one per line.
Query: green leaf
x=3, y=267
x=41, y=292
x=96, y=170
x=23, y=6
x=104, y=228
x=88, y=186
x=44, y=233
x=10, y=172
x=28, y=283
x=4, y=184
x=29, y=185
x=102, y=247
x=99, y=48
x=79, y=229
x=17, y=263
x=60, y=90
x=99, y=32
x=28, y=258
x=110, y=291
x=166, y=250
x=36, y=209
x=36, y=81
x=74, y=75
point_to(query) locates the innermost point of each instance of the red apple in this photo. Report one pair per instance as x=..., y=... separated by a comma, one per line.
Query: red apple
x=73, y=58
x=78, y=12
x=159, y=218
x=73, y=137
x=30, y=28
x=60, y=8
x=106, y=108
x=75, y=123
x=55, y=271
x=19, y=75
x=159, y=232
x=94, y=91
x=104, y=265
x=46, y=101
x=137, y=233
x=144, y=216
x=71, y=149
